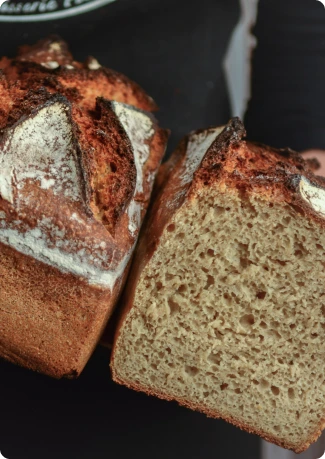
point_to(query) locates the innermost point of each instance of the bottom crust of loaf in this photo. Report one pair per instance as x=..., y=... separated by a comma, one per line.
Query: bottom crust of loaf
x=217, y=415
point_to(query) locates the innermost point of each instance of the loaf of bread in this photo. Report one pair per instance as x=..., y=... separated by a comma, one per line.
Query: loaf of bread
x=79, y=151
x=224, y=310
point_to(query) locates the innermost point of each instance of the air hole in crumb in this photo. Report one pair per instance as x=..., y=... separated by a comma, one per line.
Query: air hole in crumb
x=210, y=281
x=277, y=428
x=159, y=286
x=191, y=371
x=223, y=386
x=113, y=167
x=218, y=334
x=206, y=394
x=247, y=320
x=238, y=391
x=168, y=350
x=314, y=335
x=319, y=247
x=281, y=361
x=214, y=358
x=210, y=252
x=297, y=415
x=255, y=382
x=263, y=324
x=219, y=210
x=275, y=390
x=244, y=262
x=280, y=262
x=292, y=326
x=261, y=295
x=173, y=306
x=232, y=376
x=291, y=393
x=182, y=288
x=171, y=228
x=249, y=225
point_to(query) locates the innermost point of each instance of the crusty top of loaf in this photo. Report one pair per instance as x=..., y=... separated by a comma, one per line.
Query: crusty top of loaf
x=76, y=169
x=221, y=157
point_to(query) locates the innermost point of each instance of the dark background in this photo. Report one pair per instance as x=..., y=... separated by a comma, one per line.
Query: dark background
x=174, y=49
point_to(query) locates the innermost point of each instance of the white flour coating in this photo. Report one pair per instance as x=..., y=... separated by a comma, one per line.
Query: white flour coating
x=55, y=46
x=40, y=149
x=2, y=214
x=134, y=214
x=5, y=184
x=34, y=243
x=50, y=65
x=313, y=195
x=75, y=217
x=69, y=67
x=197, y=147
x=93, y=64
x=139, y=129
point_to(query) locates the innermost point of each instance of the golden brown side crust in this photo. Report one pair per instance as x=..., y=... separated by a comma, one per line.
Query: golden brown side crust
x=233, y=163
x=67, y=311
x=51, y=319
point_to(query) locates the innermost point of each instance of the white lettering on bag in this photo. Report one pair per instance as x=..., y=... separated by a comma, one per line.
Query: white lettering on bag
x=45, y=10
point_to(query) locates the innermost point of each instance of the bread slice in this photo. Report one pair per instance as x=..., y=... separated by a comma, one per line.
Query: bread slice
x=75, y=183
x=224, y=310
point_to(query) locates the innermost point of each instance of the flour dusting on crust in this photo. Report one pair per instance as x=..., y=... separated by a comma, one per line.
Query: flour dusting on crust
x=139, y=128
x=198, y=145
x=40, y=148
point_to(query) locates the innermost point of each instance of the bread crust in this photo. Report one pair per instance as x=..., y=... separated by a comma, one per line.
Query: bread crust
x=217, y=415
x=76, y=174
x=231, y=163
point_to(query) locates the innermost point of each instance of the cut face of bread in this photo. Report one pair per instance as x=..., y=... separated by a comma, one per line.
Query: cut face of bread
x=225, y=306
x=74, y=188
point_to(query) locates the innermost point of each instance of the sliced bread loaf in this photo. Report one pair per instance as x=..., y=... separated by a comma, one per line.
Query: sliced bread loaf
x=225, y=306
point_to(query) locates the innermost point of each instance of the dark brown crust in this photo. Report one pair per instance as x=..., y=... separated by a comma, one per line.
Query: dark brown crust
x=230, y=161
x=29, y=73
x=51, y=320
